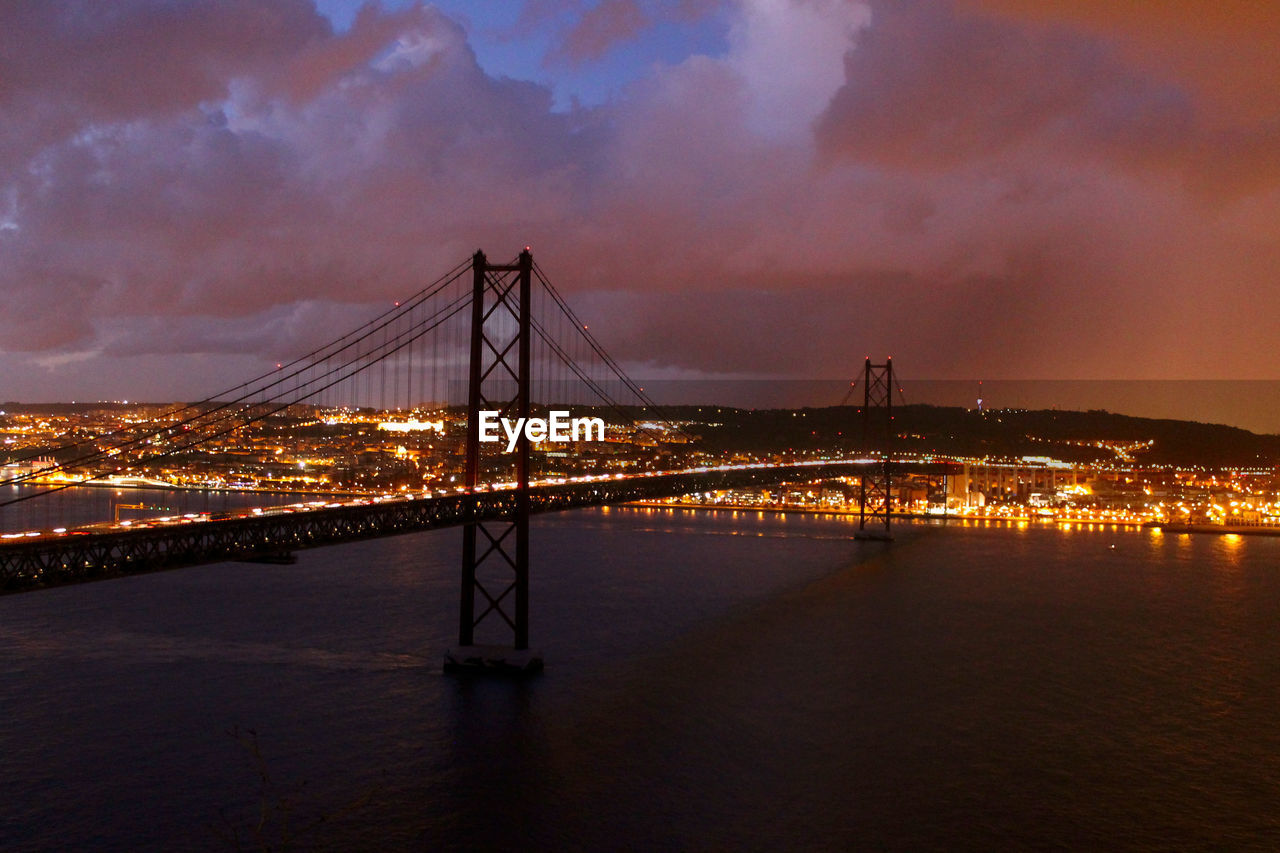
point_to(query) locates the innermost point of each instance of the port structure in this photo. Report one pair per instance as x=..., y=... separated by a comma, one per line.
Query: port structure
x=875, y=488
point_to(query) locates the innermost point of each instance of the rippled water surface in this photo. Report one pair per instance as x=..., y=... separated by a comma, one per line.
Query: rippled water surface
x=714, y=681
x=34, y=508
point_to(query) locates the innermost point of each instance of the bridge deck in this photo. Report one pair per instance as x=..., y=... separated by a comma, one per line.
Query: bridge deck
x=79, y=556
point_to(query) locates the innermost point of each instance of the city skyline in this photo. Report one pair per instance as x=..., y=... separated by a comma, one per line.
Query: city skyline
x=985, y=188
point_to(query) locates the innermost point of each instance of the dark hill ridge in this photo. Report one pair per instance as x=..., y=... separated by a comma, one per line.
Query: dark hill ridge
x=66, y=408
x=922, y=428
x=1003, y=432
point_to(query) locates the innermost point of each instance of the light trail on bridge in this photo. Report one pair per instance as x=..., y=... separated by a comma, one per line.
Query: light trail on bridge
x=96, y=552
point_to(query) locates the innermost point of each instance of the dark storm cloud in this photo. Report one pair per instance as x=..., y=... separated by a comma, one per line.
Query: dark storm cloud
x=932, y=86
x=1227, y=51
x=927, y=87
x=284, y=190
x=975, y=188
x=64, y=65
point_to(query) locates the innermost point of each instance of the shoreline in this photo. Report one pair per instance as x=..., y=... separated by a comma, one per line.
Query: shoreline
x=912, y=516
x=1220, y=529
x=158, y=486
x=1216, y=529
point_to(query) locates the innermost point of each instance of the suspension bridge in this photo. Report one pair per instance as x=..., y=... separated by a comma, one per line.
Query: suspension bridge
x=524, y=352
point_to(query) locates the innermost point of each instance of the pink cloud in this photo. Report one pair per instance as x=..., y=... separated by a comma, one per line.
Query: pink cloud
x=929, y=87
x=600, y=28
x=981, y=195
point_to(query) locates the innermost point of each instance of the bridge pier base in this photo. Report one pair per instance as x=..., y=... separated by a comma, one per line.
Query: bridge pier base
x=492, y=660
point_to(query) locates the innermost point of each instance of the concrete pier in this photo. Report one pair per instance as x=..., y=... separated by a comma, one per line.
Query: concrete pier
x=492, y=660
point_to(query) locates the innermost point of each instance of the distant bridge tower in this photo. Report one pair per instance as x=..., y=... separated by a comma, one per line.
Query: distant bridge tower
x=495, y=554
x=875, y=491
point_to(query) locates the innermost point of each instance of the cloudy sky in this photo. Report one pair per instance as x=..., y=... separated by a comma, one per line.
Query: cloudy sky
x=1065, y=189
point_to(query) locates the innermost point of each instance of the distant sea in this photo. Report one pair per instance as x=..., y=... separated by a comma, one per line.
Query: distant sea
x=714, y=681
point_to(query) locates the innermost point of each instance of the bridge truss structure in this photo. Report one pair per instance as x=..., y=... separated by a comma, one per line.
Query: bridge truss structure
x=519, y=342
x=261, y=537
x=875, y=486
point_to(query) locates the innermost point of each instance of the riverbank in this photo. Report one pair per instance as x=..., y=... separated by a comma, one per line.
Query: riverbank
x=162, y=486
x=1220, y=529
x=914, y=516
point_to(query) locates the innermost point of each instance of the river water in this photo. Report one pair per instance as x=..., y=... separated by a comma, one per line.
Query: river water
x=714, y=681
x=39, y=508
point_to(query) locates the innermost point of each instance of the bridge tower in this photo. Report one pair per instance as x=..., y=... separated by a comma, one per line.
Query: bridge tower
x=875, y=489
x=495, y=552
